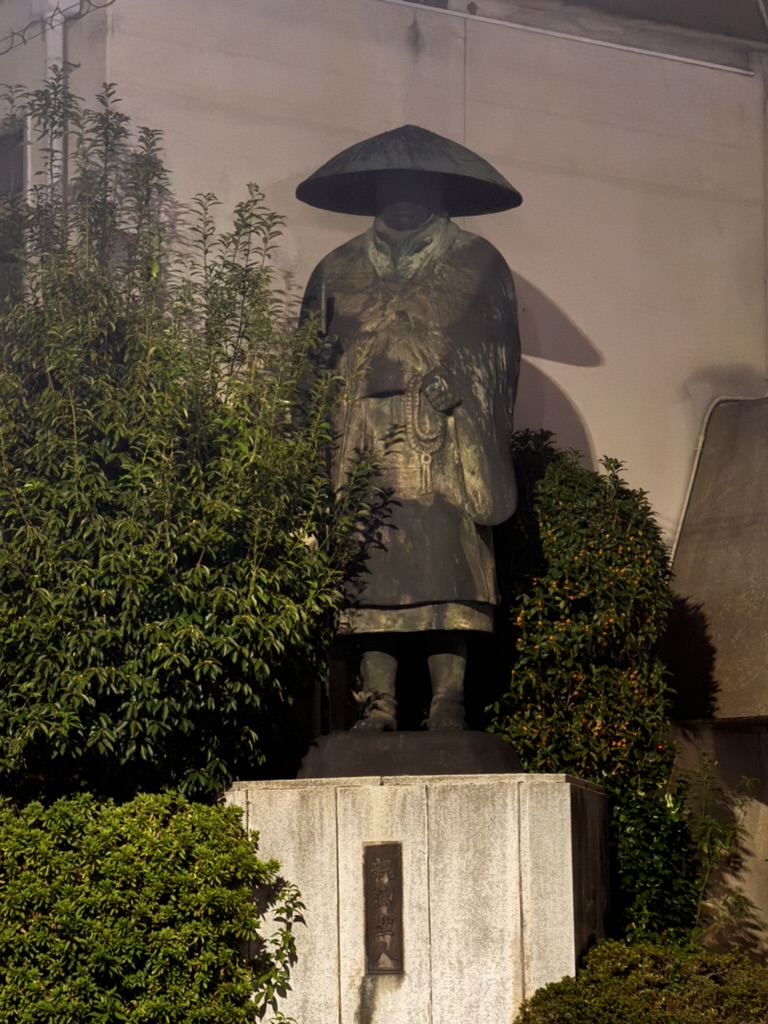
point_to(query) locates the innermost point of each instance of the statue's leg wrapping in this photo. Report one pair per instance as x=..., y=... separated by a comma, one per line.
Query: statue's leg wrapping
x=447, y=665
x=378, y=672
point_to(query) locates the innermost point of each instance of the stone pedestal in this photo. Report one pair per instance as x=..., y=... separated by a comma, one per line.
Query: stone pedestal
x=503, y=886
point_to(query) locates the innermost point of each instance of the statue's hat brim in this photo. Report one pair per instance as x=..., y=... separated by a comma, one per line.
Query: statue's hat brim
x=349, y=181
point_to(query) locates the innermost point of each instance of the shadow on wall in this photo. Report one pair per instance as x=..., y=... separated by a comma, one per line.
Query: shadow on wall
x=689, y=655
x=547, y=333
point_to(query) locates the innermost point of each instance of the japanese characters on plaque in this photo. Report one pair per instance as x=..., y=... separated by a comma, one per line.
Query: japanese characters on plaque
x=383, y=895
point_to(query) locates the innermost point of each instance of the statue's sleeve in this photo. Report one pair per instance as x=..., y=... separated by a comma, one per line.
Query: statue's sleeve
x=311, y=303
x=323, y=357
x=484, y=418
x=313, y=363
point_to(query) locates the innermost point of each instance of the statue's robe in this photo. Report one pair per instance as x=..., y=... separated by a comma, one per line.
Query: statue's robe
x=397, y=307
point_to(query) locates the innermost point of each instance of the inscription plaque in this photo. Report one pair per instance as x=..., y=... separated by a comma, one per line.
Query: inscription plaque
x=383, y=894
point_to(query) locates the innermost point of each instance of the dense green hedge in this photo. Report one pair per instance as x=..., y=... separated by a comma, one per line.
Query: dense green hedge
x=136, y=913
x=647, y=984
x=585, y=576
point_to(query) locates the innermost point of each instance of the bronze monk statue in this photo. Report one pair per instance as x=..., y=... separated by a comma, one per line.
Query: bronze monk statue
x=420, y=321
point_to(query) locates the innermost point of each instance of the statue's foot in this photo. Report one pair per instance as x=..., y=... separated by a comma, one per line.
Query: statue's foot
x=376, y=723
x=378, y=712
x=446, y=716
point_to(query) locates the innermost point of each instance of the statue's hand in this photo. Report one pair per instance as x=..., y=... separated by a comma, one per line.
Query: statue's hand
x=440, y=390
x=327, y=351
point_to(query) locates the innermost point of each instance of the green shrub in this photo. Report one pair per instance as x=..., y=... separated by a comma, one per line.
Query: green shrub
x=647, y=984
x=135, y=913
x=586, y=590
x=171, y=555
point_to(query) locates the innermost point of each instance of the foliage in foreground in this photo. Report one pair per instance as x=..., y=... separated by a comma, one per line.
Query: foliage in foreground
x=586, y=581
x=138, y=912
x=648, y=984
x=170, y=552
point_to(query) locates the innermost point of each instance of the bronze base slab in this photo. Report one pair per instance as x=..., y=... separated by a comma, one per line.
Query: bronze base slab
x=355, y=754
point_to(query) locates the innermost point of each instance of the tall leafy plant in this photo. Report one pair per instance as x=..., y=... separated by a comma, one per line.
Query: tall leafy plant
x=586, y=580
x=170, y=553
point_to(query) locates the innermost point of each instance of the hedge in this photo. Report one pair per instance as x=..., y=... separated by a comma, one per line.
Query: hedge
x=135, y=913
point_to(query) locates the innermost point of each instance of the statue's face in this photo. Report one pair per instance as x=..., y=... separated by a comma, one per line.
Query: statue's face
x=407, y=201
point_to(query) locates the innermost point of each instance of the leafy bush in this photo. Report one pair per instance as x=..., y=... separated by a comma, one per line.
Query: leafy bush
x=726, y=917
x=170, y=553
x=647, y=984
x=141, y=912
x=586, y=588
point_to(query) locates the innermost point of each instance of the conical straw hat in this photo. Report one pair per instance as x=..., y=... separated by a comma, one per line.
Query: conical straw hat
x=348, y=182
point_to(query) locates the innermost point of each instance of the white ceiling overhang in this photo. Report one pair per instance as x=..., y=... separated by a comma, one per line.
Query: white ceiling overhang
x=737, y=19
x=745, y=21
x=718, y=33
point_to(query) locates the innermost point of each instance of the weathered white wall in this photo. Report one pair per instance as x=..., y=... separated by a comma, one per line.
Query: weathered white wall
x=27, y=51
x=639, y=250
x=19, y=62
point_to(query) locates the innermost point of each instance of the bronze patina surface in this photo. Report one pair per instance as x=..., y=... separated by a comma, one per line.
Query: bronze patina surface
x=421, y=323
x=349, y=182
